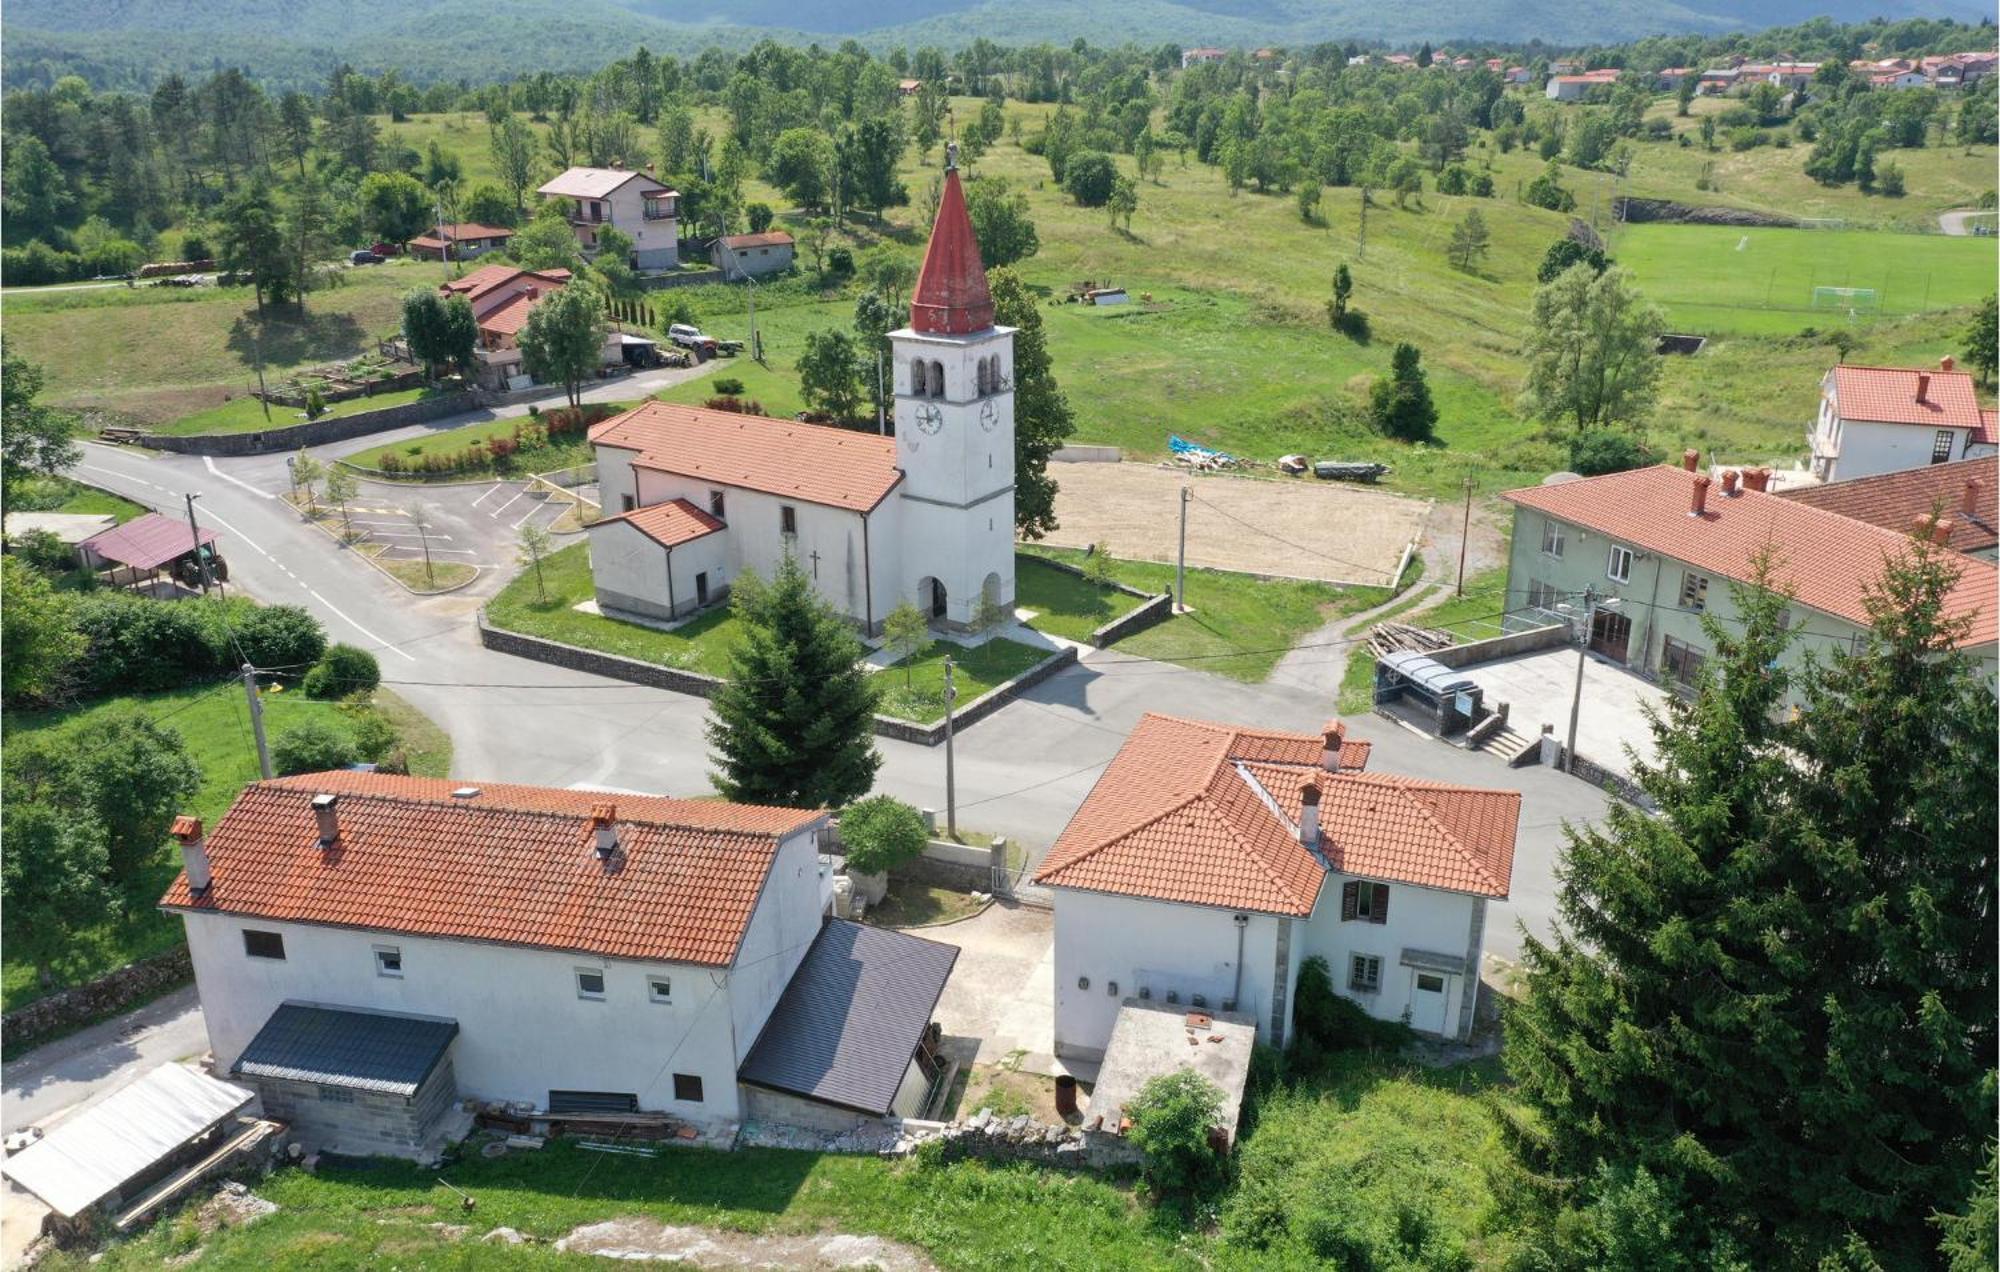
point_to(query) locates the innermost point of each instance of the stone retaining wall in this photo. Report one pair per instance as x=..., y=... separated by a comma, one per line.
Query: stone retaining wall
x=576, y=658
x=960, y=867
x=1075, y=454
x=109, y=994
x=1158, y=608
x=1017, y=1139
x=319, y=432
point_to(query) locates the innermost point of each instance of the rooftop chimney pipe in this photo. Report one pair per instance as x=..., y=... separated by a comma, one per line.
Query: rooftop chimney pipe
x=327, y=809
x=194, y=852
x=1729, y=479
x=1757, y=479
x=604, y=819
x=1699, y=503
x=1973, y=490
x=1923, y=386
x=1691, y=459
x=1333, y=738
x=1309, y=816
x=1947, y=362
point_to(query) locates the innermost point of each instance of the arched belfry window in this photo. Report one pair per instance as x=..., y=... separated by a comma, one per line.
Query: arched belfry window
x=919, y=377
x=937, y=379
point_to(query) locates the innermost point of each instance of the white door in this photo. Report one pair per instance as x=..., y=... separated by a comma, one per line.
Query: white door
x=1430, y=1002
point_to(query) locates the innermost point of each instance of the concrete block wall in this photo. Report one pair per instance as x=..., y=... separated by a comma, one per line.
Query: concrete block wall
x=368, y=1122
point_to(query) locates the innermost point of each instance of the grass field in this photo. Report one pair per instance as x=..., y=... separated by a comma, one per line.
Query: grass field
x=562, y=454
x=1065, y=605
x=214, y=722
x=246, y=414
x=1723, y=279
x=62, y=494
x=976, y=670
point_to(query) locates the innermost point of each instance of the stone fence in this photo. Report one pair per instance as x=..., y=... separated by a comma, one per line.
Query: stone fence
x=319, y=432
x=638, y=672
x=108, y=995
x=1016, y=1139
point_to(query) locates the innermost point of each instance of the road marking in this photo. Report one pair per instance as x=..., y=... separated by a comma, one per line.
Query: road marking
x=358, y=627
x=209, y=514
x=495, y=512
x=541, y=507
x=88, y=468
x=208, y=461
x=408, y=534
x=489, y=493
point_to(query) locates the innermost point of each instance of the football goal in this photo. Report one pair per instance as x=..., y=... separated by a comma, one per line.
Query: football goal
x=1851, y=300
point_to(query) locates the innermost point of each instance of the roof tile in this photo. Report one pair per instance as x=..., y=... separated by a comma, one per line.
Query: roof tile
x=816, y=463
x=1895, y=500
x=1888, y=395
x=668, y=524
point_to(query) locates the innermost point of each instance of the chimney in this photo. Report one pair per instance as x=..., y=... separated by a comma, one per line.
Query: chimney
x=194, y=852
x=1933, y=526
x=327, y=809
x=1973, y=490
x=1923, y=386
x=1333, y=738
x=1699, y=503
x=1947, y=362
x=1757, y=479
x=1729, y=479
x=604, y=820
x=1309, y=816
x=532, y=292
x=1691, y=459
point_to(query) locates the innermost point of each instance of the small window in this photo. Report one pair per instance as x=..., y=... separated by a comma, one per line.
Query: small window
x=1694, y=591
x=1430, y=982
x=1365, y=974
x=687, y=1088
x=1941, y=446
x=626, y=503
x=1619, y=568
x=388, y=960
x=264, y=944
x=1552, y=538
x=715, y=504
x=788, y=519
x=1364, y=902
x=335, y=1095
x=1680, y=662
x=660, y=989
x=1541, y=595
x=589, y=982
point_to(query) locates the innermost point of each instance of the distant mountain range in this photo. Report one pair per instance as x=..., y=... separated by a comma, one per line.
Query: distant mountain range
x=127, y=43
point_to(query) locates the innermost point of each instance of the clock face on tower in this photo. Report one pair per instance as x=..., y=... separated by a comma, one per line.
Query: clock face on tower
x=929, y=418
x=988, y=417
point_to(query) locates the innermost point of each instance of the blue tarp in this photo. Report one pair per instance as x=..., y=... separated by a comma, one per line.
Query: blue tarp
x=1182, y=446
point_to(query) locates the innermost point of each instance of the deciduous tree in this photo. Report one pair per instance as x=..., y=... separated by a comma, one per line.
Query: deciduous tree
x=1043, y=421
x=1590, y=350
x=562, y=341
x=36, y=439
x=39, y=640
x=516, y=155
x=1470, y=240
x=1000, y=221
x=830, y=373
x=1982, y=339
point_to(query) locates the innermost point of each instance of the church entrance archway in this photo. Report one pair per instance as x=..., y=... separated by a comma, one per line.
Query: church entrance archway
x=936, y=598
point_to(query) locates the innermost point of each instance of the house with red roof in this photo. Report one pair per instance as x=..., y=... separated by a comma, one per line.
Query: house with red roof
x=697, y=496
x=1884, y=419
x=501, y=297
x=371, y=949
x=1210, y=861
x=1667, y=543
x=1965, y=493
x=461, y=241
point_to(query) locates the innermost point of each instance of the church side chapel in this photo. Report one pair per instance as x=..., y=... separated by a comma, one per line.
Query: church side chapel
x=696, y=497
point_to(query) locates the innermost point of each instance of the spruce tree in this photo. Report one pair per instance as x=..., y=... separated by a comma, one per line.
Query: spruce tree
x=794, y=725
x=1642, y=1042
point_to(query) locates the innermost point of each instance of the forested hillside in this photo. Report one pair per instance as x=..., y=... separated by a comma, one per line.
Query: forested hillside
x=290, y=45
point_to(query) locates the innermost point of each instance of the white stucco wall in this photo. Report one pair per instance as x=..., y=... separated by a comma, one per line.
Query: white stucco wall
x=1157, y=945
x=1844, y=449
x=1429, y=919
x=634, y=572
x=523, y=1029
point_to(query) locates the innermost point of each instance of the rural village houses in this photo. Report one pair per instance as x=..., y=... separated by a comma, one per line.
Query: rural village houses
x=1210, y=861
x=698, y=496
x=1883, y=419
x=371, y=948
x=1966, y=491
x=646, y=210
x=501, y=297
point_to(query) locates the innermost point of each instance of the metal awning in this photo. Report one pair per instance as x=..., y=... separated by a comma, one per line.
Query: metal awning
x=1432, y=961
x=91, y=1155
x=146, y=543
x=1427, y=673
x=340, y=1046
x=849, y=1022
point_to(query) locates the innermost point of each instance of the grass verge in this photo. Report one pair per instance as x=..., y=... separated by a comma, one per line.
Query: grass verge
x=246, y=414
x=701, y=644
x=979, y=669
x=1064, y=604
x=908, y=904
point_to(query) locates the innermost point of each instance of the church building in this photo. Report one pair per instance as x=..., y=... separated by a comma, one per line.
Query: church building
x=695, y=497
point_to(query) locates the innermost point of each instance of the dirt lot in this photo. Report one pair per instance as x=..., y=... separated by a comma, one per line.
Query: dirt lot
x=1286, y=528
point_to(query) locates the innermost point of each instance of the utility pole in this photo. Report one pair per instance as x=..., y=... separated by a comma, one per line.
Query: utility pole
x=1591, y=604
x=1361, y=242
x=1180, y=568
x=195, y=530
x=257, y=345
x=950, y=767
x=1464, y=534
x=257, y=720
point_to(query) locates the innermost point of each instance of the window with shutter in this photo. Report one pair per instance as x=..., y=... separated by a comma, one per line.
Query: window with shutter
x=1350, y=900
x=1379, y=911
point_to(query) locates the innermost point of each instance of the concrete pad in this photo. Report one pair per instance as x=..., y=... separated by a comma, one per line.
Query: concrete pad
x=1611, y=723
x=1000, y=999
x=1151, y=1039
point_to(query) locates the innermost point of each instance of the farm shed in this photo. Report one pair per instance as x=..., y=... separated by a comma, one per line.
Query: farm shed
x=356, y=1081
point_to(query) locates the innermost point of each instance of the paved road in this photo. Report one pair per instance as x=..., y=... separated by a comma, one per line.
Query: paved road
x=1960, y=222
x=91, y=1061
x=1022, y=772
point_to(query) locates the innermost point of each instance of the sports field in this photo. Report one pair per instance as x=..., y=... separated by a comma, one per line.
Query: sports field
x=1714, y=279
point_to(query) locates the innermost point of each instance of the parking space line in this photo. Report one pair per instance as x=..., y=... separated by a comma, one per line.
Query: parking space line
x=541, y=507
x=489, y=493
x=495, y=512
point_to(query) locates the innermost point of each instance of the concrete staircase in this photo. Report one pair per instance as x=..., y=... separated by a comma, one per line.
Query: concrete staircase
x=1496, y=736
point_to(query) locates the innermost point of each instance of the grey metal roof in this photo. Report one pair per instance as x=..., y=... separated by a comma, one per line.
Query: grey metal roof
x=91, y=1155
x=1427, y=673
x=341, y=1046
x=846, y=1026
x=1432, y=961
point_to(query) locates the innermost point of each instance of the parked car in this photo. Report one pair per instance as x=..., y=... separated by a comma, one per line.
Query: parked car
x=688, y=337
x=365, y=256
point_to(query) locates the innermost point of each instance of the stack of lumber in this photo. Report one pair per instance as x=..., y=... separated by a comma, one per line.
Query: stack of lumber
x=1397, y=638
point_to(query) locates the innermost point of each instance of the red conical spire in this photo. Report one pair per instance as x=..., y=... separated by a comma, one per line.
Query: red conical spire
x=951, y=298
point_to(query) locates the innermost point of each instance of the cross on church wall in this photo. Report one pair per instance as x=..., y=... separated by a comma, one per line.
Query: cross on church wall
x=814, y=557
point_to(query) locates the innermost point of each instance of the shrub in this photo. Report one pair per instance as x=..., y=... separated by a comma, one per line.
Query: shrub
x=374, y=736
x=728, y=385
x=278, y=637
x=742, y=406
x=1325, y=1020
x=343, y=670
x=141, y=645
x=880, y=833
x=44, y=552
x=1171, y=1117
x=38, y=263
x=314, y=745
x=1088, y=178
x=1602, y=451
x=840, y=262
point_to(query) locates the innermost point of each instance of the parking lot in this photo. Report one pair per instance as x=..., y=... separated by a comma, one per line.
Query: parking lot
x=476, y=525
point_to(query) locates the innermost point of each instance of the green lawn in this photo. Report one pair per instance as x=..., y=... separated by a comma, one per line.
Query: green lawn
x=214, y=721
x=700, y=645
x=1240, y=626
x=1064, y=604
x=1715, y=278
x=1384, y=1153
x=62, y=494
x=1475, y=615
x=564, y=453
x=246, y=414
x=975, y=671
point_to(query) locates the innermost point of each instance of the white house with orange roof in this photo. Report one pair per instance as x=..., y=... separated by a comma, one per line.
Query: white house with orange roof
x=1883, y=419
x=696, y=496
x=636, y=204
x=501, y=297
x=1211, y=861
x=370, y=948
